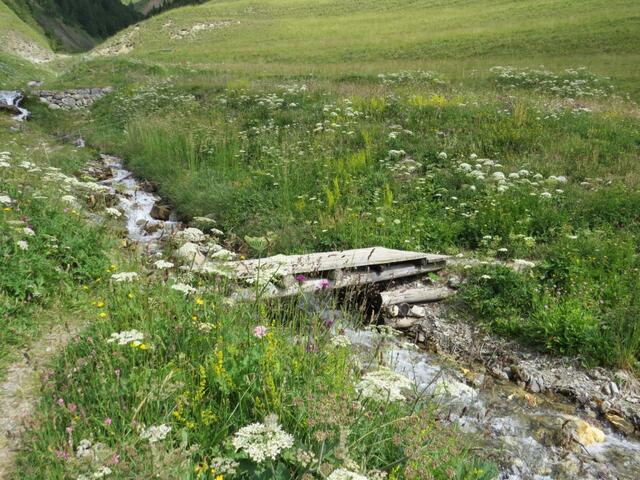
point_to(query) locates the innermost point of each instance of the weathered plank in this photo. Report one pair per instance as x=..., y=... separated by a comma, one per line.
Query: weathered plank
x=415, y=295
x=282, y=265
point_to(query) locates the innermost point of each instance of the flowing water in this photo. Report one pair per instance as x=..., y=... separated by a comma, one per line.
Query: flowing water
x=13, y=99
x=523, y=432
x=136, y=203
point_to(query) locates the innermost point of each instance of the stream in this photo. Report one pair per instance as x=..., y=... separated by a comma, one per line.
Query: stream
x=524, y=433
x=10, y=100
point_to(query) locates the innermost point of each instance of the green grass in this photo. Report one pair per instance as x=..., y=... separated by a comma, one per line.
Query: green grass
x=255, y=159
x=60, y=253
x=219, y=120
x=199, y=369
x=332, y=38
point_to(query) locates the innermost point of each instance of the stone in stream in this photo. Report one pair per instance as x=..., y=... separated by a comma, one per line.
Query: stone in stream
x=190, y=255
x=160, y=211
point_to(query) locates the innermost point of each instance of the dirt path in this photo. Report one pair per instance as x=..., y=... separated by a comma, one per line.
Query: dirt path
x=20, y=390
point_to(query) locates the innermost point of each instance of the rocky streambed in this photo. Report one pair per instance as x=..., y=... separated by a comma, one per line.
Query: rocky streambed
x=531, y=432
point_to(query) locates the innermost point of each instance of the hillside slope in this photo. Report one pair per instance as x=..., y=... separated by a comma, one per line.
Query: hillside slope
x=308, y=36
x=74, y=25
x=19, y=39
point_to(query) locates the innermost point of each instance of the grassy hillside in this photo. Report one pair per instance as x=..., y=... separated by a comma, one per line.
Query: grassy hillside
x=14, y=30
x=332, y=36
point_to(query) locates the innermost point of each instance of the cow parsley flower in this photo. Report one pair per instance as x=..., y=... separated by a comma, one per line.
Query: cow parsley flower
x=163, y=264
x=22, y=245
x=191, y=234
x=155, y=433
x=6, y=200
x=341, y=341
x=113, y=212
x=28, y=232
x=344, y=474
x=102, y=472
x=181, y=287
x=262, y=440
x=383, y=385
x=124, y=277
x=126, y=337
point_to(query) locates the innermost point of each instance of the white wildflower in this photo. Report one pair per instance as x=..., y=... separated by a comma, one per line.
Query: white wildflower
x=70, y=199
x=305, y=458
x=465, y=167
x=262, y=440
x=191, y=234
x=206, y=327
x=102, y=472
x=84, y=448
x=223, y=466
x=498, y=176
x=124, y=277
x=22, y=245
x=28, y=232
x=545, y=195
x=473, y=156
x=126, y=337
x=4, y=164
x=383, y=385
x=113, y=212
x=162, y=264
x=6, y=200
x=344, y=474
x=442, y=155
x=341, y=341
x=181, y=287
x=155, y=433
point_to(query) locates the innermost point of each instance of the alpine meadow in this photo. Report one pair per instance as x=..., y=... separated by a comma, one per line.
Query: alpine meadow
x=320, y=239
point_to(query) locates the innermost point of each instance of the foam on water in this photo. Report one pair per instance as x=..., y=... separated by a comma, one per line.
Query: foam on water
x=136, y=204
x=13, y=99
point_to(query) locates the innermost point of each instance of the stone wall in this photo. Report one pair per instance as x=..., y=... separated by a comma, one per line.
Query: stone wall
x=71, y=99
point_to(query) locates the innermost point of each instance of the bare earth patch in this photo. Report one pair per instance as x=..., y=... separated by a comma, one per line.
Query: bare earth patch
x=20, y=390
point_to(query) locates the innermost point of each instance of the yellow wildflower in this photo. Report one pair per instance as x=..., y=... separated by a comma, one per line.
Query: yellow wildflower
x=199, y=301
x=102, y=315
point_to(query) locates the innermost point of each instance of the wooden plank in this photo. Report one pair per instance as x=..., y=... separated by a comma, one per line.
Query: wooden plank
x=282, y=265
x=415, y=295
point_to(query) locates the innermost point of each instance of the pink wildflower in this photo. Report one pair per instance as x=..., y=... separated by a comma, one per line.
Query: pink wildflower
x=324, y=283
x=260, y=331
x=300, y=278
x=108, y=421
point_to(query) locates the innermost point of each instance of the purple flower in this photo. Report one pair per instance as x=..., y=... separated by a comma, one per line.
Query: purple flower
x=108, y=421
x=72, y=407
x=61, y=402
x=324, y=283
x=300, y=278
x=260, y=331
x=62, y=454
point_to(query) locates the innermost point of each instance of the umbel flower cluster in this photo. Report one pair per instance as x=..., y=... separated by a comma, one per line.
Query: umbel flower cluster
x=262, y=440
x=383, y=385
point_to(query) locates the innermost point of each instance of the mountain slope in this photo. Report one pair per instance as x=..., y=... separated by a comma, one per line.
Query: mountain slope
x=75, y=25
x=305, y=34
x=20, y=39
